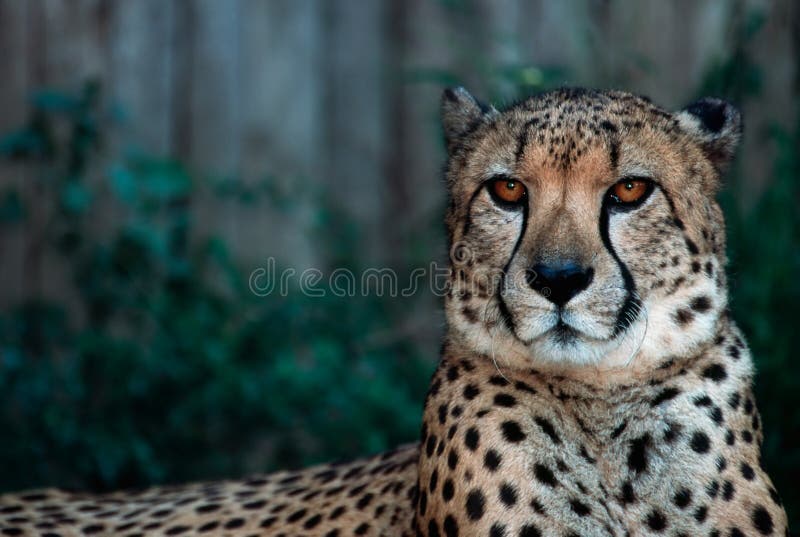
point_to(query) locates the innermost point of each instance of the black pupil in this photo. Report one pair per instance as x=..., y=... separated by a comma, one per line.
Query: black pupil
x=510, y=185
x=629, y=186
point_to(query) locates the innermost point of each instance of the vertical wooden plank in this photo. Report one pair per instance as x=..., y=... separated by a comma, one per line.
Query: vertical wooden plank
x=139, y=70
x=214, y=110
x=354, y=114
x=215, y=79
x=281, y=127
x=13, y=93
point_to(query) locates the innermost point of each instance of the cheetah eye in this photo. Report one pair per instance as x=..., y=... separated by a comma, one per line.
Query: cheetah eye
x=630, y=192
x=507, y=192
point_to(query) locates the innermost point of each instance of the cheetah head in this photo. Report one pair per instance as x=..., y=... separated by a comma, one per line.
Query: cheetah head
x=583, y=226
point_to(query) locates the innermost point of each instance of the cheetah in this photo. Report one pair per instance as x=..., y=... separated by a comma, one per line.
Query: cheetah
x=591, y=381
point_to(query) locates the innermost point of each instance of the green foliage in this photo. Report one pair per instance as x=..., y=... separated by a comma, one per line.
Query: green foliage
x=764, y=247
x=164, y=366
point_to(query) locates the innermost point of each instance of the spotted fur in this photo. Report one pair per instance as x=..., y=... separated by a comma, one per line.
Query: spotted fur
x=624, y=407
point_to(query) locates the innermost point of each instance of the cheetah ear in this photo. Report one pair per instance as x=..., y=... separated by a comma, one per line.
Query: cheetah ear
x=717, y=127
x=461, y=112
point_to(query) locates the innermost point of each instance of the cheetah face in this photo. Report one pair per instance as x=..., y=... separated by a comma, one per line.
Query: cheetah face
x=583, y=225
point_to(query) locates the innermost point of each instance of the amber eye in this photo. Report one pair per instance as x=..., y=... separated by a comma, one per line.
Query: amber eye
x=630, y=191
x=507, y=191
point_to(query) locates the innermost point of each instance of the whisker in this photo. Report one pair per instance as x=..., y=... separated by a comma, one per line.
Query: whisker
x=492, y=331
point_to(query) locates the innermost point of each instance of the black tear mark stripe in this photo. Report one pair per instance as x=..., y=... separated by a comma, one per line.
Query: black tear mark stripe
x=630, y=308
x=504, y=311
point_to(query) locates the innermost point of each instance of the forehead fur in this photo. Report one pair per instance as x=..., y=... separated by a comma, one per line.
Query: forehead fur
x=568, y=122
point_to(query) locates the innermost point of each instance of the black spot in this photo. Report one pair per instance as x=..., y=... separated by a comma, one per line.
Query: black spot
x=627, y=496
x=508, y=494
x=548, y=429
x=529, y=530
x=475, y=504
x=433, y=529
x=762, y=521
x=637, y=456
x=656, y=521
x=608, y=126
x=665, y=395
x=452, y=459
x=721, y=463
x=585, y=454
x=691, y=246
x=497, y=380
x=728, y=491
x=544, y=475
x=450, y=526
x=505, y=400
x=712, y=489
x=700, y=304
x=312, y=522
x=442, y=414
x=448, y=490
x=512, y=431
x=747, y=471
x=684, y=316
x=672, y=432
x=702, y=401
x=365, y=500
x=715, y=372
x=524, y=387
x=297, y=515
x=471, y=439
x=237, y=523
x=619, y=429
x=471, y=391
x=538, y=507
x=210, y=526
x=430, y=445
x=682, y=498
x=497, y=530
x=434, y=481
x=492, y=460
x=701, y=513
x=580, y=508
x=700, y=442
x=452, y=373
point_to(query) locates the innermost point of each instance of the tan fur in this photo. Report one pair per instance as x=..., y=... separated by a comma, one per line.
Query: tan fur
x=637, y=419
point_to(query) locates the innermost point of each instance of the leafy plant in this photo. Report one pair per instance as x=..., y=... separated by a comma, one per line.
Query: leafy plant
x=165, y=366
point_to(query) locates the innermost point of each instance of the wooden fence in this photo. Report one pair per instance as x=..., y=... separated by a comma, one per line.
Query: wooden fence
x=342, y=95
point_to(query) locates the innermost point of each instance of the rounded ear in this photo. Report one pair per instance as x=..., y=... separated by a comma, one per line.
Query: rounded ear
x=716, y=125
x=461, y=112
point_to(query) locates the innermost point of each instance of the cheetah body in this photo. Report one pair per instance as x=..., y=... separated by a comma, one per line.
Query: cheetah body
x=618, y=405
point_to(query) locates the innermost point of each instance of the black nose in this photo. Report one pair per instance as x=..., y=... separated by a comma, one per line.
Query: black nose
x=558, y=282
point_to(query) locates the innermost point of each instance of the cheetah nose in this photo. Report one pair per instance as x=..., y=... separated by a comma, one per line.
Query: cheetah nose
x=559, y=282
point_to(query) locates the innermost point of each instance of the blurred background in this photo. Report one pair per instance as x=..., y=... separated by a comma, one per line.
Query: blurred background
x=154, y=153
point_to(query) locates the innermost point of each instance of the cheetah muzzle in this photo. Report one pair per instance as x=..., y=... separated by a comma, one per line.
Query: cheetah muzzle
x=591, y=381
